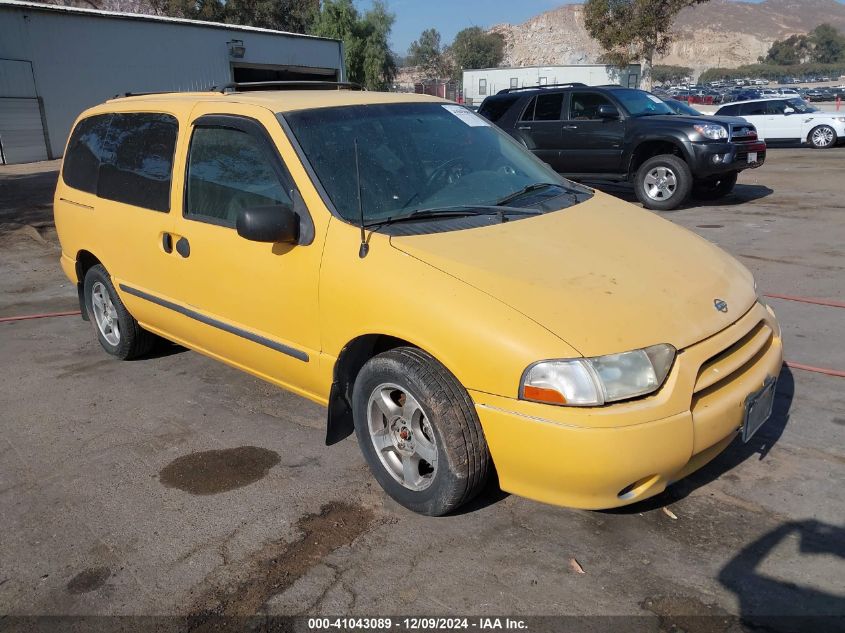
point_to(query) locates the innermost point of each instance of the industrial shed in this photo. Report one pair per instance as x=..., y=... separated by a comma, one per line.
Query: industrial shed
x=55, y=61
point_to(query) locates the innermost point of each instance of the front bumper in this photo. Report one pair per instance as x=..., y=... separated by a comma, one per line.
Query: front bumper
x=710, y=159
x=619, y=454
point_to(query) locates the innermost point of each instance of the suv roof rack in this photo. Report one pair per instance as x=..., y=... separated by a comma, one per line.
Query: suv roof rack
x=286, y=85
x=574, y=84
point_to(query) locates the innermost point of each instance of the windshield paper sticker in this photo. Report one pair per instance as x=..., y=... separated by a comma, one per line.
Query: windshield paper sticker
x=468, y=117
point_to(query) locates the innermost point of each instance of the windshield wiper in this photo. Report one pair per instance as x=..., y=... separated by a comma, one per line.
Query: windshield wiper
x=457, y=211
x=501, y=202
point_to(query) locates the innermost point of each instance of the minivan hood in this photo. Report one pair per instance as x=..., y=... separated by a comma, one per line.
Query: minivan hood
x=604, y=276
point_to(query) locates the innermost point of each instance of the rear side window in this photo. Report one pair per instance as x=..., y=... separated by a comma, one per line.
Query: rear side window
x=548, y=107
x=494, y=109
x=731, y=110
x=138, y=161
x=85, y=153
x=754, y=108
x=228, y=170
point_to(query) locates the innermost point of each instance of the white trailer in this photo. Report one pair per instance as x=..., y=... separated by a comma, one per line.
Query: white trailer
x=480, y=83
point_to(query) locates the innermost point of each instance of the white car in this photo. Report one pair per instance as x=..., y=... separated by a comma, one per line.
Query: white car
x=790, y=119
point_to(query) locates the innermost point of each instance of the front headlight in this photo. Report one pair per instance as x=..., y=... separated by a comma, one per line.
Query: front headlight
x=712, y=131
x=589, y=382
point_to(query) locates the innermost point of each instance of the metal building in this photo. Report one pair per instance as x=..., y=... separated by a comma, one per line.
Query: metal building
x=488, y=81
x=55, y=61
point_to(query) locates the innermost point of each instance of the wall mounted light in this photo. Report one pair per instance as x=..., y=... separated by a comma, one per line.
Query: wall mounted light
x=236, y=49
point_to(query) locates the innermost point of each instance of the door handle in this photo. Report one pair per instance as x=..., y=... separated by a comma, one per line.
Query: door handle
x=523, y=127
x=183, y=247
x=167, y=242
x=570, y=127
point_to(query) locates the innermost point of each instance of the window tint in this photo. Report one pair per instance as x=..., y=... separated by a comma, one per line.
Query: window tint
x=548, y=107
x=229, y=170
x=731, y=110
x=494, y=108
x=754, y=108
x=84, y=153
x=528, y=113
x=139, y=160
x=584, y=106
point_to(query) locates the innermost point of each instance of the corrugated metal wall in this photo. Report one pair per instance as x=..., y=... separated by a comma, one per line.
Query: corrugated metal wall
x=79, y=60
x=21, y=132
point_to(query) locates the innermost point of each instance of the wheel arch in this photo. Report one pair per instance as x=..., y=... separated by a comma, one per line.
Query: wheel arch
x=85, y=260
x=650, y=148
x=353, y=356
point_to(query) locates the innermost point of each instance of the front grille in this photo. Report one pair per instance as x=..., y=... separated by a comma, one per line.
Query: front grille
x=719, y=368
x=743, y=132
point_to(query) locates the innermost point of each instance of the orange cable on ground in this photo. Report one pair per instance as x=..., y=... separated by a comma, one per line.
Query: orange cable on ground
x=39, y=316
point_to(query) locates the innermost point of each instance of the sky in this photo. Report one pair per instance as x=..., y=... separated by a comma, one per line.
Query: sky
x=450, y=16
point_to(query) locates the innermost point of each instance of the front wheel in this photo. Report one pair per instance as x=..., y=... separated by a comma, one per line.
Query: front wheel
x=716, y=187
x=663, y=182
x=419, y=432
x=822, y=137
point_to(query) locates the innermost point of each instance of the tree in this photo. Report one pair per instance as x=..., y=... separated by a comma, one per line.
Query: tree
x=670, y=74
x=427, y=54
x=365, y=39
x=796, y=49
x=473, y=48
x=828, y=44
x=631, y=30
x=296, y=16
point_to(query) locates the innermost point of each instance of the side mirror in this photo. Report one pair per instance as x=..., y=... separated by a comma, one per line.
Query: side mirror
x=608, y=112
x=788, y=111
x=273, y=223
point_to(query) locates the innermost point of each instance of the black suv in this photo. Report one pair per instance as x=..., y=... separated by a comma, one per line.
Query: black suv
x=627, y=135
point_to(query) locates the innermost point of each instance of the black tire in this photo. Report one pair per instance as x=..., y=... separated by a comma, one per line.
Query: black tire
x=715, y=188
x=682, y=187
x=822, y=137
x=462, y=456
x=132, y=340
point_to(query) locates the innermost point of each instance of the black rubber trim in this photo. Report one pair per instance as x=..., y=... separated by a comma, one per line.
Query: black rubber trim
x=183, y=247
x=231, y=329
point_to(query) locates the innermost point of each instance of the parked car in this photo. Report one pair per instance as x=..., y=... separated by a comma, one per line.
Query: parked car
x=627, y=135
x=790, y=120
x=451, y=299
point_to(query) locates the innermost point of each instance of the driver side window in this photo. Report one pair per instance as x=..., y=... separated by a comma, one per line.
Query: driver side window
x=228, y=170
x=584, y=106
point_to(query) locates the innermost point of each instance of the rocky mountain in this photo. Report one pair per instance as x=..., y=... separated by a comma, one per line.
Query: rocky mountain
x=722, y=33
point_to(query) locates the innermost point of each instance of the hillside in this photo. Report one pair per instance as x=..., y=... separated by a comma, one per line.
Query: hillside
x=720, y=32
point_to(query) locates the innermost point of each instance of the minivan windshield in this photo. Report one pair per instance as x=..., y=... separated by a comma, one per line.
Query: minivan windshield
x=641, y=103
x=422, y=157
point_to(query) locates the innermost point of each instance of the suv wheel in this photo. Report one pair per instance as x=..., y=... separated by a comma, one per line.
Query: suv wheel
x=116, y=329
x=663, y=182
x=822, y=137
x=714, y=188
x=419, y=432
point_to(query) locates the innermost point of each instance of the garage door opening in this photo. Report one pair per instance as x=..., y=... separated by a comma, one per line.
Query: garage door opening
x=245, y=73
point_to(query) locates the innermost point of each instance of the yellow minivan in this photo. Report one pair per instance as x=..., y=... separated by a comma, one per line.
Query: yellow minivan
x=451, y=299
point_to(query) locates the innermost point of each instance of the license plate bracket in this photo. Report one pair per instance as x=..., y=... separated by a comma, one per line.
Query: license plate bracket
x=758, y=408
x=752, y=157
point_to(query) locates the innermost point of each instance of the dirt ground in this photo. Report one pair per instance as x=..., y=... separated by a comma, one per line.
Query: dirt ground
x=176, y=486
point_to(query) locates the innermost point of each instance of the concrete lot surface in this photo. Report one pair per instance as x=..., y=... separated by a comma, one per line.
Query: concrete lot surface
x=174, y=485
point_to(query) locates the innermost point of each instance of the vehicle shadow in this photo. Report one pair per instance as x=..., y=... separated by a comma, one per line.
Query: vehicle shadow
x=162, y=349
x=735, y=454
x=769, y=604
x=740, y=195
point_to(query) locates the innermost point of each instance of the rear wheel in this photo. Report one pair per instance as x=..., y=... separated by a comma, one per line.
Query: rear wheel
x=822, y=137
x=419, y=432
x=663, y=182
x=116, y=329
x=716, y=187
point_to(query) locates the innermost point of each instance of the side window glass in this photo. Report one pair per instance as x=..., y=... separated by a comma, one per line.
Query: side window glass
x=85, y=153
x=528, y=113
x=752, y=109
x=229, y=170
x=584, y=106
x=548, y=107
x=775, y=107
x=139, y=160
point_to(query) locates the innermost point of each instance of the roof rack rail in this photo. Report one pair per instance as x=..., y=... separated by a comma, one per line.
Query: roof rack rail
x=574, y=84
x=286, y=85
x=123, y=95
